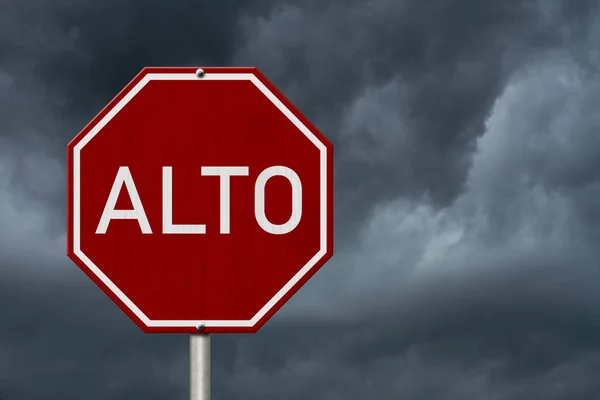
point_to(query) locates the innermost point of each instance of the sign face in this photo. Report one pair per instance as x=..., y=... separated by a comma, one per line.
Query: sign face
x=200, y=199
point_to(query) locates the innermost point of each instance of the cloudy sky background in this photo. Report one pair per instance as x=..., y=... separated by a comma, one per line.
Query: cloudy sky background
x=467, y=137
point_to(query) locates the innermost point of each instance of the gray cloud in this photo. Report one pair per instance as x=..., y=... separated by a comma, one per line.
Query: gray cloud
x=408, y=84
x=466, y=181
x=61, y=338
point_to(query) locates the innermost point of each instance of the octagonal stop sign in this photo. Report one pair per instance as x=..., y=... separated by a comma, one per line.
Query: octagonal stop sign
x=200, y=198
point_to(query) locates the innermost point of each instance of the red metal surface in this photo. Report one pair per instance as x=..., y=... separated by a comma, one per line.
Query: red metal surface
x=188, y=125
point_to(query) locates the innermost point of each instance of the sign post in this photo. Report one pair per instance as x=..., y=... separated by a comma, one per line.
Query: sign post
x=199, y=367
x=200, y=198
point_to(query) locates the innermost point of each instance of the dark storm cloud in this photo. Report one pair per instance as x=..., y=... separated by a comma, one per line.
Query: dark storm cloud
x=403, y=88
x=61, y=338
x=488, y=339
x=355, y=68
x=61, y=62
x=116, y=39
x=458, y=343
x=466, y=166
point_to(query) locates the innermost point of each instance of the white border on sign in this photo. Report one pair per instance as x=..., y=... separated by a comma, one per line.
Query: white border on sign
x=77, y=190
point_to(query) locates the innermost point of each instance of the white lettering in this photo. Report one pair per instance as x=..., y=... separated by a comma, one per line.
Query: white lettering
x=225, y=173
x=109, y=213
x=167, y=209
x=259, y=200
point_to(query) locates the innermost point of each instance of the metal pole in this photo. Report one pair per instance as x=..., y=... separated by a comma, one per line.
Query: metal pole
x=199, y=367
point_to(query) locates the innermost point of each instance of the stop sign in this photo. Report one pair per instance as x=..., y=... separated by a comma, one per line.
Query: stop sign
x=200, y=197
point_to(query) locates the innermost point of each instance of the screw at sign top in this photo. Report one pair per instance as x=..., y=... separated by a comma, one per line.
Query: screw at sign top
x=200, y=326
x=199, y=72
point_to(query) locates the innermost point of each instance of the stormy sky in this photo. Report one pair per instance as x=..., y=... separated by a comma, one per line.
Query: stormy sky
x=467, y=142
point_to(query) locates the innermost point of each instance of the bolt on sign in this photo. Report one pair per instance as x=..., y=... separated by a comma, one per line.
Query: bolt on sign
x=200, y=198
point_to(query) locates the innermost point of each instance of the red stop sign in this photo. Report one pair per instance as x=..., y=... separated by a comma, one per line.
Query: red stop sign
x=200, y=199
